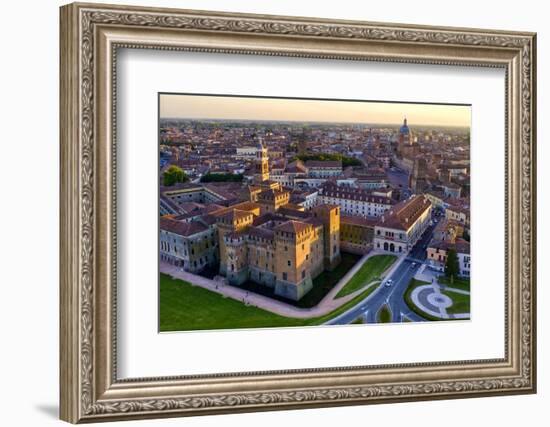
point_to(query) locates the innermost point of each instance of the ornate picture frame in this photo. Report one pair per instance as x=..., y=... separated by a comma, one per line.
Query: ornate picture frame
x=90, y=37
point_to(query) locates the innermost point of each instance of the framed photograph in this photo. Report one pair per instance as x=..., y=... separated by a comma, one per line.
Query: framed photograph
x=266, y=212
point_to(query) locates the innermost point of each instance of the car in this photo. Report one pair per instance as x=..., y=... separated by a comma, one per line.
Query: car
x=388, y=283
x=413, y=264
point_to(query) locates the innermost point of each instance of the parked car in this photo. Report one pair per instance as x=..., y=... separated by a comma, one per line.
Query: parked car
x=388, y=283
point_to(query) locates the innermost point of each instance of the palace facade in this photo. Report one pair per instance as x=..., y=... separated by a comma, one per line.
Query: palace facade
x=403, y=225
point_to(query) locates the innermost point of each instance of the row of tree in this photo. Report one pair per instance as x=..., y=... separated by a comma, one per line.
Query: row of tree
x=346, y=161
x=222, y=177
x=174, y=175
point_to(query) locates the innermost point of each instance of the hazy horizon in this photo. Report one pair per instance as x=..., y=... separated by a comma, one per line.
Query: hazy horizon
x=235, y=108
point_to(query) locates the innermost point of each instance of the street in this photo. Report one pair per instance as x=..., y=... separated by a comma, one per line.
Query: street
x=392, y=296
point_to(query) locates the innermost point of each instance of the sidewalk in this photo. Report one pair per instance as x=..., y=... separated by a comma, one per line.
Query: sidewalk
x=256, y=300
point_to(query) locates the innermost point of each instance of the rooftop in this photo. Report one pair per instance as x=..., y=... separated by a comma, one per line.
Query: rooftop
x=181, y=228
x=405, y=213
x=323, y=164
x=293, y=227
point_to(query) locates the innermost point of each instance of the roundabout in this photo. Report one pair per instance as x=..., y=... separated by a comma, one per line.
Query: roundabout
x=440, y=302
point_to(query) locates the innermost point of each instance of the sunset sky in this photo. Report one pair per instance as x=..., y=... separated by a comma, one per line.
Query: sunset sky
x=235, y=108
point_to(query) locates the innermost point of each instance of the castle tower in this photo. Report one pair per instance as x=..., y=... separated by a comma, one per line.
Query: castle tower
x=235, y=261
x=229, y=223
x=330, y=216
x=270, y=200
x=292, y=259
x=261, y=172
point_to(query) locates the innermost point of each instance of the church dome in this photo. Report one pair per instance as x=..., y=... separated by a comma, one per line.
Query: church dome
x=404, y=130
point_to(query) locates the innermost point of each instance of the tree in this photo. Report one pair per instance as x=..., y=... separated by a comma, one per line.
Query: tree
x=173, y=175
x=346, y=161
x=222, y=177
x=451, y=265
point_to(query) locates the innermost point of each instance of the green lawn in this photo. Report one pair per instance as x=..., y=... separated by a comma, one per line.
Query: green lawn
x=461, y=302
x=369, y=271
x=384, y=315
x=412, y=286
x=325, y=281
x=185, y=307
x=459, y=282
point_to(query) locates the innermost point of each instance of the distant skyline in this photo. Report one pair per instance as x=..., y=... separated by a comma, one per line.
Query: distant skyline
x=311, y=110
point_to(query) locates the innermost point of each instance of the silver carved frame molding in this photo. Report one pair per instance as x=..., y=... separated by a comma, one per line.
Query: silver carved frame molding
x=90, y=37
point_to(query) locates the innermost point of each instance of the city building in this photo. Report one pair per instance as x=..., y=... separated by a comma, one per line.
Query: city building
x=407, y=145
x=458, y=213
x=323, y=168
x=452, y=190
x=190, y=245
x=400, y=228
x=248, y=152
x=448, y=234
x=354, y=201
x=437, y=255
x=356, y=234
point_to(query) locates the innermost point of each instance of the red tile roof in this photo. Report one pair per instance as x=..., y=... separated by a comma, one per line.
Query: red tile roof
x=182, y=228
x=293, y=227
x=405, y=213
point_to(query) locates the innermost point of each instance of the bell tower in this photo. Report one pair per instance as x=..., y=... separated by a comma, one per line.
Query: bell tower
x=261, y=173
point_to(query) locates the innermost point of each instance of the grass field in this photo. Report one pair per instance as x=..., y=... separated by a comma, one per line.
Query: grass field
x=461, y=302
x=369, y=271
x=459, y=282
x=184, y=307
x=384, y=315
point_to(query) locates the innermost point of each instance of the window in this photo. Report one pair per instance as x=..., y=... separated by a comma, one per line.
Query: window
x=285, y=276
x=303, y=274
x=289, y=263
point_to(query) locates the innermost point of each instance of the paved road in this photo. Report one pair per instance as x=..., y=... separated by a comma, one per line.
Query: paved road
x=392, y=296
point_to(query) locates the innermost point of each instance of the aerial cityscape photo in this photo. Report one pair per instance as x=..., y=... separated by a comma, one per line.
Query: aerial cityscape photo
x=279, y=212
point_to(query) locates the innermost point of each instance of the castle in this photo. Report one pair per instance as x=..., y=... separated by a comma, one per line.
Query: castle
x=266, y=239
